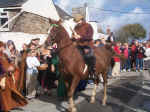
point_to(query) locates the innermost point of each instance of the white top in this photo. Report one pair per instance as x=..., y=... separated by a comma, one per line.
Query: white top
x=147, y=52
x=32, y=62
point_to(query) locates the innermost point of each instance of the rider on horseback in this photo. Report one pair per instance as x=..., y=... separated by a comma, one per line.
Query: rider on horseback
x=83, y=34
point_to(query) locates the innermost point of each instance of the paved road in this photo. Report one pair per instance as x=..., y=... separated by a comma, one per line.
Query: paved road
x=125, y=94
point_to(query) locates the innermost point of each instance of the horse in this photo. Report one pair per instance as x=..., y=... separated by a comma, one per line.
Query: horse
x=10, y=97
x=72, y=65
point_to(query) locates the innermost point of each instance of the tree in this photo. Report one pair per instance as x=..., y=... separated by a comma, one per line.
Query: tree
x=130, y=32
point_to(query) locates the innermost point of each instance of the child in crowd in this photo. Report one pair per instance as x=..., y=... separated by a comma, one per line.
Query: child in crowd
x=32, y=72
x=116, y=69
x=127, y=54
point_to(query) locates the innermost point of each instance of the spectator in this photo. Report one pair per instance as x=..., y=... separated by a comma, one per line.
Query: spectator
x=134, y=47
x=32, y=72
x=140, y=56
x=97, y=42
x=111, y=38
x=146, y=64
x=12, y=52
x=36, y=42
x=24, y=48
x=116, y=69
x=127, y=54
x=102, y=42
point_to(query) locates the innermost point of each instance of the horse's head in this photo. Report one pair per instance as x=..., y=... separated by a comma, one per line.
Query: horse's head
x=56, y=33
x=51, y=32
x=60, y=32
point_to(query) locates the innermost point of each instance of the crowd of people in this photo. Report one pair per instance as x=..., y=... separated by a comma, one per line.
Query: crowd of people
x=39, y=64
x=136, y=56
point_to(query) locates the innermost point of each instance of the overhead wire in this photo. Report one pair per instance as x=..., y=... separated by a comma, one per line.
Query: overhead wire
x=120, y=12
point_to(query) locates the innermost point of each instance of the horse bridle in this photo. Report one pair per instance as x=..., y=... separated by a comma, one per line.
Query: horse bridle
x=52, y=38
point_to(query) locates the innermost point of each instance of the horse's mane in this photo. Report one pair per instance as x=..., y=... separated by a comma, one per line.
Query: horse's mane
x=69, y=25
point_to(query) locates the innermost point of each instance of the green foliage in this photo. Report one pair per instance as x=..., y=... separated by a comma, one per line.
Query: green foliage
x=130, y=32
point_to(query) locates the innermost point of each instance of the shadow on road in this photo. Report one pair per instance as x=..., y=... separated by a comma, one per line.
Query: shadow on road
x=119, y=94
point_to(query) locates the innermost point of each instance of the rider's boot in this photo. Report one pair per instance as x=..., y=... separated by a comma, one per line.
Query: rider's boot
x=92, y=73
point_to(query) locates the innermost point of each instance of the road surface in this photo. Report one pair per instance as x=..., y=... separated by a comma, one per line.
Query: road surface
x=128, y=93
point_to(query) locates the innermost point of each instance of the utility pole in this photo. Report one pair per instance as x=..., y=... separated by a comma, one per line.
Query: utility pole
x=87, y=19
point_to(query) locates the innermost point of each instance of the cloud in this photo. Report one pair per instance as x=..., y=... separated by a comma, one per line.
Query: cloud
x=116, y=22
x=67, y=5
x=63, y=4
x=128, y=1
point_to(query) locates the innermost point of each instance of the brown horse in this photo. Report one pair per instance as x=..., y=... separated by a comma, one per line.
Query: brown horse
x=9, y=96
x=72, y=64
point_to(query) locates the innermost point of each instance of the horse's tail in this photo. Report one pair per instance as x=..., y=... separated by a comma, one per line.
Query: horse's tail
x=114, y=54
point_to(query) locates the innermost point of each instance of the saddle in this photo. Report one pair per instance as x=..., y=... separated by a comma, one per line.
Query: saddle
x=89, y=58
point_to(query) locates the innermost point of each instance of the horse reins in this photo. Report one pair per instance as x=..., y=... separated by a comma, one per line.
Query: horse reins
x=53, y=37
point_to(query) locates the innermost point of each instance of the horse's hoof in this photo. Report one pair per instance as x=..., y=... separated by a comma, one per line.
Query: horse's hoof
x=92, y=101
x=72, y=109
x=103, y=104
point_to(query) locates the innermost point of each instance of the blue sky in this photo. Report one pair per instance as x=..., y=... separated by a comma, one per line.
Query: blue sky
x=113, y=19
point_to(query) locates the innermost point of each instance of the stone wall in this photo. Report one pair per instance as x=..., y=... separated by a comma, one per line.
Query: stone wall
x=31, y=23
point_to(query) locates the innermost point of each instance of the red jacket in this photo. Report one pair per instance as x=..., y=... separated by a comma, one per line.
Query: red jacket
x=117, y=50
x=126, y=54
x=133, y=48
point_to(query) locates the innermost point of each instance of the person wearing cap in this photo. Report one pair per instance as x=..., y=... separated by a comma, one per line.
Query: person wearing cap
x=83, y=33
x=83, y=30
x=36, y=42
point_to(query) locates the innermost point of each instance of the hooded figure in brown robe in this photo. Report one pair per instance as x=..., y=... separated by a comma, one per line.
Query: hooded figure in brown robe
x=10, y=98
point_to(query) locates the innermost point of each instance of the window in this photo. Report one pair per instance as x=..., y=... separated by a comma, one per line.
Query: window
x=3, y=14
x=3, y=20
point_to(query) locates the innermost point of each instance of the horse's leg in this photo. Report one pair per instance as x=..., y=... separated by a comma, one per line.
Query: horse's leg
x=105, y=89
x=94, y=93
x=75, y=82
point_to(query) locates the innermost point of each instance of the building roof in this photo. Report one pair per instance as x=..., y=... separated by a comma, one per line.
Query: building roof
x=44, y=8
x=19, y=3
x=62, y=13
x=11, y=3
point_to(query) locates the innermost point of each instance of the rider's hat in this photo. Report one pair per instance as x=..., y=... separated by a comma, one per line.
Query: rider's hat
x=78, y=17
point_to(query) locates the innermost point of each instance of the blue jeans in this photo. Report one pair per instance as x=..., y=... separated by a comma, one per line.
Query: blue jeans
x=109, y=73
x=127, y=64
x=139, y=63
